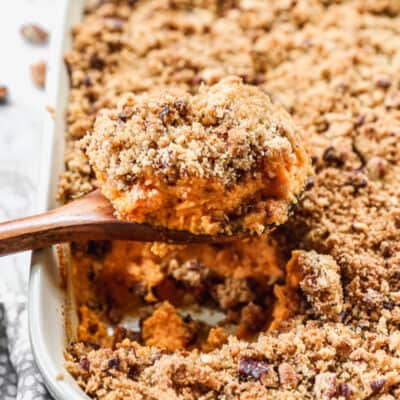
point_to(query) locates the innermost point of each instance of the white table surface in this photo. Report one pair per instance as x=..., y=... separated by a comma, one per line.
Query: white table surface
x=20, y=125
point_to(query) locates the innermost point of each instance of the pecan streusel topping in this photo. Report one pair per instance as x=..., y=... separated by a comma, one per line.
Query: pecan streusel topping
x=223, y=161
x=334, y=66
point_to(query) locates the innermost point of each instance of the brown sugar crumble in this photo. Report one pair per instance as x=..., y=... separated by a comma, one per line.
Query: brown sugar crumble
x=222, y=161
x=319, y=280
x=327, y=324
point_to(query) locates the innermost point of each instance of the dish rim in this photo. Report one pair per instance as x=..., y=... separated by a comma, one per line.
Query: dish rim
x=44, y=286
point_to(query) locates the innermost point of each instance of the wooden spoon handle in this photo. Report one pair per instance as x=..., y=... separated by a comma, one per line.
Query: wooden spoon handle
x=81, y=219
x=89, y=218
x=57, y=226
x=33, y=233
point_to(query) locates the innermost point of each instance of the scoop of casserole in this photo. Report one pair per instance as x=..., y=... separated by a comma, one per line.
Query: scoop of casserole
x=223, y=161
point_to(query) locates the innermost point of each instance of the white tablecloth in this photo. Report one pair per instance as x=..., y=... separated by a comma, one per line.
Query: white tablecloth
x=20, y=149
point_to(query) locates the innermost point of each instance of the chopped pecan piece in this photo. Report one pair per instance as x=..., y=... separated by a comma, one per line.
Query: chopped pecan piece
x=113, y=363
x=332, y=156
x=325, y=385
x=252, y=368
x=234, y=292
x=84, y=363
x=164, y=114
x=287, y=375
x=377, y=385
x=373, y=299
x=38, y=73
x=383, y=83
x=34, y=33
x=377, y=168
x=360, y=120
x=96, y=62
x=310, y=183
x=125, y=114
x=345, y=390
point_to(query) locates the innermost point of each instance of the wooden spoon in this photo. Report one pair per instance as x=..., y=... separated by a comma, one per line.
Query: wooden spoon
x=88, y=218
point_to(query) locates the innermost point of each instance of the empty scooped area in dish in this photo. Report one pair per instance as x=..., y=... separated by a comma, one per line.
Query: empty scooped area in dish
x=169, y=285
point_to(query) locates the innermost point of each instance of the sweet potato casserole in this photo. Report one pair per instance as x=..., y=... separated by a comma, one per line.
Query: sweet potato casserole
x=311, y=311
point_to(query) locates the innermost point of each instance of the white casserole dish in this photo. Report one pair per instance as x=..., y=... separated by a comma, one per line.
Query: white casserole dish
x=47, y=300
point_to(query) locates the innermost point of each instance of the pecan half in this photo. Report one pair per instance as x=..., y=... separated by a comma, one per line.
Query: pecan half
x=34, y=33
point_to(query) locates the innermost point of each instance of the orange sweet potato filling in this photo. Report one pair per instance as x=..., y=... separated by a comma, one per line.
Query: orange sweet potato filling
x=131, y=263
x=166, y=329
x=91, y=329
x=108, y=283
x=206, y=205
x=287, y=295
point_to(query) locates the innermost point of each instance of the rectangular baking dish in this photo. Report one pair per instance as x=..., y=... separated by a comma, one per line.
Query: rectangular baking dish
x=48, y=302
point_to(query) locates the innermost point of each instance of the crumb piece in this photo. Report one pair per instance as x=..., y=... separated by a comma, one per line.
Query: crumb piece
x=38, y=73
x=191, y=273
x=373, y=299
x=234, y=292
x=34, y=34
x=320, y=282
x=60, y=376
x=51, y=111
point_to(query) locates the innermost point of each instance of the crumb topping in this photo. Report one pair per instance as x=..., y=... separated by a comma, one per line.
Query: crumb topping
x=224, y=132
x=219, y=162
x=334, y=66
x=320, y=283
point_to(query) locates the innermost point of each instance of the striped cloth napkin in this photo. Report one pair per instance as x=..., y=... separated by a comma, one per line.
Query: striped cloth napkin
x=19, y=376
